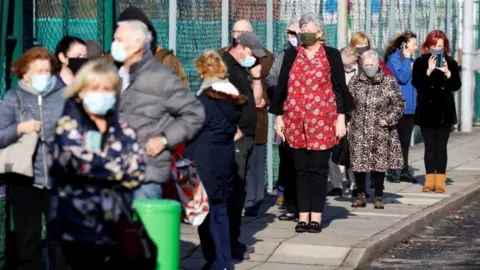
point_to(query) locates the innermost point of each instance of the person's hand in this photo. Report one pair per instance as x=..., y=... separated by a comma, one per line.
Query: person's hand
x=340, y=129
x=29, y=126
x=262, y=104
x=445, y=69
x=407, y=52
x=154, y=146
x=432, y=64
x=383, y=123
x=280, y=127
x=256, y=71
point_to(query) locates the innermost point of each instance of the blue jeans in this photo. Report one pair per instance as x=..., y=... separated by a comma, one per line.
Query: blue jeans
x=148, y=191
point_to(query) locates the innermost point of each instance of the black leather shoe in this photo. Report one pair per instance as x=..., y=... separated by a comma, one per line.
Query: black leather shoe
x=241, y=247
x=240, y=255
x=336, y=192
x=314, y=227
x=301, y=227
x=287, y=217
x=355, y=193
x=250, y=212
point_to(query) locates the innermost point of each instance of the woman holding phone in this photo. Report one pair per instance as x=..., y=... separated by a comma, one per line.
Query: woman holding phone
x=435, y=76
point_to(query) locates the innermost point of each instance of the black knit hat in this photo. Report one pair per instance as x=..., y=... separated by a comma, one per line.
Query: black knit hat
x=136, y=14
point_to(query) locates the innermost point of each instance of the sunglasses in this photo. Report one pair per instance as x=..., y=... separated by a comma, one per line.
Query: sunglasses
x=290, y=32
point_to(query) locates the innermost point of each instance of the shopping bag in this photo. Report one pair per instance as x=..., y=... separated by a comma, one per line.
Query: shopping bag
x=341, y=153
x=191, y=191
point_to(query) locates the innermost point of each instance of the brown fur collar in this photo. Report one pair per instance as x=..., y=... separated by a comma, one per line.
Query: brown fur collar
x=214, y=94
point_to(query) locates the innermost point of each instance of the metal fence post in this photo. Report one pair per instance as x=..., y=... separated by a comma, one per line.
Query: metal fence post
x=225, y=16
x=392, y=27
x=172, y=25
x=65, y=16
x=368, y=17
x=5, y=5
x=433, y=17
x=108, y=23
x=342, y=23
x=17, y=33
x=270, y=117
x=468, y=49
x=477, y=75
x=413, y=16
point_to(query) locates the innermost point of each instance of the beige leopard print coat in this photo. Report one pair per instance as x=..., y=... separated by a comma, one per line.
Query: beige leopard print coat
x=372, y=147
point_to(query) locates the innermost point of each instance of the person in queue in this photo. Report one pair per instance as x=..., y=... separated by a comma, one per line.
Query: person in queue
x=374, y=143
x=338, y=172
x=94, y=50
x=286, y=170
x=71, y=54
x=156, y=104
x=310, y=104
x=255, y=171
x=399, y=57
x=361, y=41
x=97, y=163
x=40, y=93
x=213, y=149
x=246, y=77
x=436, y=76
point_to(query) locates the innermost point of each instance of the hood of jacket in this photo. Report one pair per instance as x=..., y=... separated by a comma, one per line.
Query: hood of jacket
x=55, y=85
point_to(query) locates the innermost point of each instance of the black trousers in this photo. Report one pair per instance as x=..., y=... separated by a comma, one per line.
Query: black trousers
x=405, y=129
x=29, y=205
x=236, y=201
x=435, y=140
x=286, y=176
x=312, y=179
x=378, y=179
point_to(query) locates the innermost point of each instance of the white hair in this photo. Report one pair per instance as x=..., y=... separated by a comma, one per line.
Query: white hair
x=138, y=30
x=371, y=54
x=311, y=18
x=294, y=24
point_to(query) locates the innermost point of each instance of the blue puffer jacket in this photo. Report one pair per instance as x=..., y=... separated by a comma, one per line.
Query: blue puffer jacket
x=50, y=104
x=402, y=70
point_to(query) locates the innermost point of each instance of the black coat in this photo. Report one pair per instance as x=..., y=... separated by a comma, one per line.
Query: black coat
x=213, y=149
x=435, y=99
x=343, y=97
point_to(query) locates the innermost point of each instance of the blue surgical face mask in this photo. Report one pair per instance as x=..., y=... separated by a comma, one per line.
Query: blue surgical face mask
x=41, y=82
x=436, y=51
x=370, y=71
x=99, y=103
x=118, y=52
x=249, y=61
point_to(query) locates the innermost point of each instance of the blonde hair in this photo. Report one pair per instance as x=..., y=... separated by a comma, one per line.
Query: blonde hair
x=349, y=55
x=97, y=71
x=359, y=38
x=210, y=65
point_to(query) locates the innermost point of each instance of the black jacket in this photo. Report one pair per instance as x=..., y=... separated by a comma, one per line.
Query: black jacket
x=435, y=100
x=343, y=98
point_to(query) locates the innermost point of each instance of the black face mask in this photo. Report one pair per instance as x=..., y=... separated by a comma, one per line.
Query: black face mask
x=74, y=64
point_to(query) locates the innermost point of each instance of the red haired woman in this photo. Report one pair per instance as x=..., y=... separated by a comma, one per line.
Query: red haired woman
x=435, y=76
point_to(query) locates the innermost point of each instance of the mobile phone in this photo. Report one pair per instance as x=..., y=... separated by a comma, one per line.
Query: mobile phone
x=403, y=46
x=439, y=63
x=93, y=141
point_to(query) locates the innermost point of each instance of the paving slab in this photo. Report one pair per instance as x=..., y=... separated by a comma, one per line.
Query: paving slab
x=351, y=237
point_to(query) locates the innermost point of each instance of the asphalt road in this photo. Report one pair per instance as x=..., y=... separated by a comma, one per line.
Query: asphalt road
x=451, y=243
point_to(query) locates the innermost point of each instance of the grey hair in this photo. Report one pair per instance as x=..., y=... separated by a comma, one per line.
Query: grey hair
x=311, y=18
x=294, y=24
x=138, y=30
x=371, y=54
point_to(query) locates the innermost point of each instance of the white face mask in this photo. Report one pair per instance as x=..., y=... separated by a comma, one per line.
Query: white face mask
x=293, y=41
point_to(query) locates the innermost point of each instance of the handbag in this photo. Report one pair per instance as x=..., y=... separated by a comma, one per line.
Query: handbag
x=341, y=153
x=18, y=157
x=191, y=191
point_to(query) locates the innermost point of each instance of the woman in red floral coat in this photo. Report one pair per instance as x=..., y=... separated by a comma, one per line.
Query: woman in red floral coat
x=310, y=104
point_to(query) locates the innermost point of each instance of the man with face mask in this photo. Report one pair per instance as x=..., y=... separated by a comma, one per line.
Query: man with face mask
x=245, y=74
x=156, y=104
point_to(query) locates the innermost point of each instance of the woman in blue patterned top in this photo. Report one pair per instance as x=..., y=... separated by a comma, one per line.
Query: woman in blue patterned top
x=97, y=163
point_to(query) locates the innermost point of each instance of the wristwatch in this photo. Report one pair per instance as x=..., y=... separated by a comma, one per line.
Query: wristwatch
x=256, y=78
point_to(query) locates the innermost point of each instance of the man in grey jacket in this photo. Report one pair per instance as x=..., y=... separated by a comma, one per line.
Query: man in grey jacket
x=154, y=102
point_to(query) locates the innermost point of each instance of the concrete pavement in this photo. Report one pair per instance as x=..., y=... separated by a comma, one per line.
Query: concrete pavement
x=352, y=237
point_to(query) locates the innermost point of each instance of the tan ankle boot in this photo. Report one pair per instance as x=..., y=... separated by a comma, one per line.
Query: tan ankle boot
x=429, y=182
x=440, y=183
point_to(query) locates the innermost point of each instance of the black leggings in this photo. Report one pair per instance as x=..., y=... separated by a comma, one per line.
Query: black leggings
x=312, y=179
x=286, y=177
x=435, y=140
x=405, y=129
x=378, y=179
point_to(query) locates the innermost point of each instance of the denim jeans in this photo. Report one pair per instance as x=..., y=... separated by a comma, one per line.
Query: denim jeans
x=148, y=191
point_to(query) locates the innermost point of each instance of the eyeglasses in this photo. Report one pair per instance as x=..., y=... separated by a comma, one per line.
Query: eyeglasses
x=290, y=32
x=235, y=32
